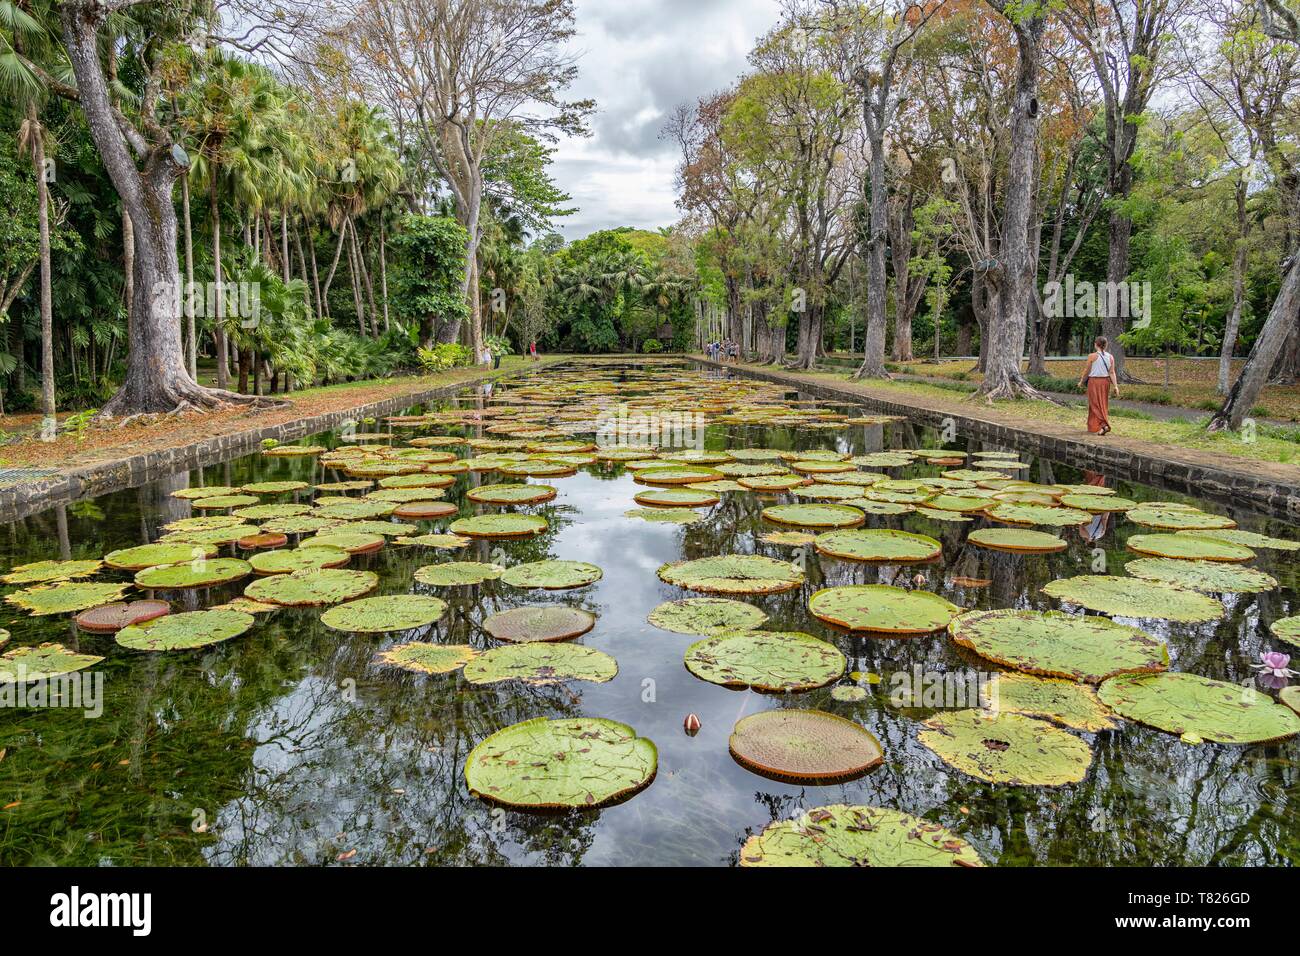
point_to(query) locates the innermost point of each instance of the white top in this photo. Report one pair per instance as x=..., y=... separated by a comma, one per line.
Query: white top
x=1101, y=366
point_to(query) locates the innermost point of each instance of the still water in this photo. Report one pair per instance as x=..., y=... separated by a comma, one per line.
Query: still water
x=289, y=746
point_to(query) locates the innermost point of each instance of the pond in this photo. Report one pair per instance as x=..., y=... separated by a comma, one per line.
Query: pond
x=291, y=745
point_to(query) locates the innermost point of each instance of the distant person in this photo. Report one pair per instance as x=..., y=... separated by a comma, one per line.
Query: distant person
x=1099, y=378
x=532, y=350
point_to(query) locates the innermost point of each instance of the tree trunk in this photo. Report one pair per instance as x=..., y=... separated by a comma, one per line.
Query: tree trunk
x=383, y=271
x=219, y=298
x=873, y=357
x=47, y=307
x=1238, y=290
x=1254, y=374
x=329, y=278
x=1117, y=261
x=192, y=351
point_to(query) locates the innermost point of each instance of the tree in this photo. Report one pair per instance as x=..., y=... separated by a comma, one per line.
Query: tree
x=429, y=287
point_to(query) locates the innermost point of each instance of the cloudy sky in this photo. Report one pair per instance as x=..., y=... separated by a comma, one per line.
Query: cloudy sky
x=639, y=59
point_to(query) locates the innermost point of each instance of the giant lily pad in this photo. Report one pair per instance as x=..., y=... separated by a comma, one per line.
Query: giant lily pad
x=841, y=835
x=1214, y=576
x=348, y=509
x=683, y=475
x=879, y=544
x=378, y=615
x=212, y=491
x=24, y=665
x=274, y=487
x=457, y=573
x=406, y=496
x=765, y=660
x=300, y=559
x=1131, y=597
x=882, y=608
x=1010, y=513
x=1173, y=519
x=345, y=539
x=67, y=597
x=151, y=555
x=42, y=571
x=576, y=762
x=706, y=616
x=1199, y=708
x=733, y=574
x=552, y=575
x=180, y=632
x=1017, y=540
x=425, y=510
x=885, y=508
x=676, y=498
x=200, y=573
x=306, y=524
x=203, y=523
x=540, y=663
x=1098, y=504
x=1291, y=697
x=964, y=504
x=1189, y=548
x=219, y=502
x=512, y=494
x=1007, y=748
x=1059, y=645
x=1247, y=539
x=224, y=535
x=1288, y=629
x=815, y=516
x=771, y=482
x=524, y=625
x=665, y=515
x=427, y=658
x=421, y=480
x=111, y=618
x=499, y=526
x=305, y=588
x=804, y=745
x=1064, y=702
x=268, y=512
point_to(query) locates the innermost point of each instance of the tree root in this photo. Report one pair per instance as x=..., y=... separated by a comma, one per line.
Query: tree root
x=1015, y=387
x=178, y=398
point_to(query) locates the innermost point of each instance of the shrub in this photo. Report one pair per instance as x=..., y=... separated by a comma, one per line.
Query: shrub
x=444, y=356
x=650, y=346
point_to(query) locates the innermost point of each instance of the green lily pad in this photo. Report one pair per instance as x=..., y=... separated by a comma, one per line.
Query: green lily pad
x=524, y=625
x=1038, y=514
x=1131, y=597
x=814, y=467
x=537, y=469
x=718, y=487
x=420, y=480
x=676, y=498
x=286, y=561
x=579, y=762
x=1174, y=519
x=849, y=694
x=443, y=542
x=344, y=539
x=541, y=663
x=181, y=632
x=1288, y=629
x=665, y=515
x=1248, y=539
x=1199, y=708
x=512, y=494
x=304, y=588
x=788, y=539
x=339, y=487
x=841, y=494
x=883, y=508
x=225, y=501
x=427, y=658
x=1055, y=644
x=1213, y=576
x=771, y=482
x=203, y=523
x=842, y=835
x=405, y=496
x=350, y=509
x=1017, y=540
x=552, y=575
x=274, y=487
x=1064, y=702
x=1007, y=748
x=879, y=544
x=706, y=616
x=1188, y=547
x=378, y=615
x=733, y=574
x=815, y=516
x=935, y=514
x=66, y=598
x=23, y=665
x=151, y=555
x=1098, y=504
x=882, y=608
x=212, y=491
x=457, y=573
x=765, y=660
x=499, y=526
x=804, y=745
x=963, y=504
x=40, y=572
x=382, y=527
x=200, y=573
x=1291, y=697
x=307, y=524
x=677, y=476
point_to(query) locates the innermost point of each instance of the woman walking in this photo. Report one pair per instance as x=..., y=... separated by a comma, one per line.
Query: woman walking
x=1099, y=377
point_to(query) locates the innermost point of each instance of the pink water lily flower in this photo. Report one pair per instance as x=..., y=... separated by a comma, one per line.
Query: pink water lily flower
x=1276, y=664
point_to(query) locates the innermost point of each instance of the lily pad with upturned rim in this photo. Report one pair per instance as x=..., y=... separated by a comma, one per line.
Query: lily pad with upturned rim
x=882, y=608
x=425, y=658
x=1199, y=708
x=212, y=491
x=1007, y=748
x=342, y=539
x=1065, y=702
x=186, y=631
x=307, y=588
x=676, y=498
x=804, y=745
x=1132, y=597
x=23, y=665
x=1098, y=504
x=274, y=487
x=354, y=509
x=187, y=575
x=1178, y=519
x=706, y=616
x=40, y=572
x=1212, y=576
x=879, y=544
x=1020, y=540
x=380, y=615
x=677, y=476
x=66, y=597
x=552, y=575
x=452, y=574
x=1287, y=629
x=299, y=559
x=1054, y=644
x=666, y=515
x=225, y=501
x=523, y=625
x=770, y=661
x=499, y=526
x=1291, y=697
x=573, y=763
x=1038, y=514
x=1189, y=548
x=512, y=494
x=842, y=835
x=815, y=516
x=540, y=664
x=733, y=574
x=1247, y=539
x=111, y=618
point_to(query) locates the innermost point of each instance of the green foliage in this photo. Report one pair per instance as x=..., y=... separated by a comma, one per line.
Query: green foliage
x=444, y=356
x=428, y=283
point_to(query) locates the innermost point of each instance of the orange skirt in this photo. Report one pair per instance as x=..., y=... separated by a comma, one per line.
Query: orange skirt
x=1098, y=404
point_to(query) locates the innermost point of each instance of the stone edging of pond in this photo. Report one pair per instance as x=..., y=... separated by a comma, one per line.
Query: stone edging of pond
x=1258, y=486
x=20, y=500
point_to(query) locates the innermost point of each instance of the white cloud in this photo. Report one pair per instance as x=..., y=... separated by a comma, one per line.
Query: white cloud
x=639, y=59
